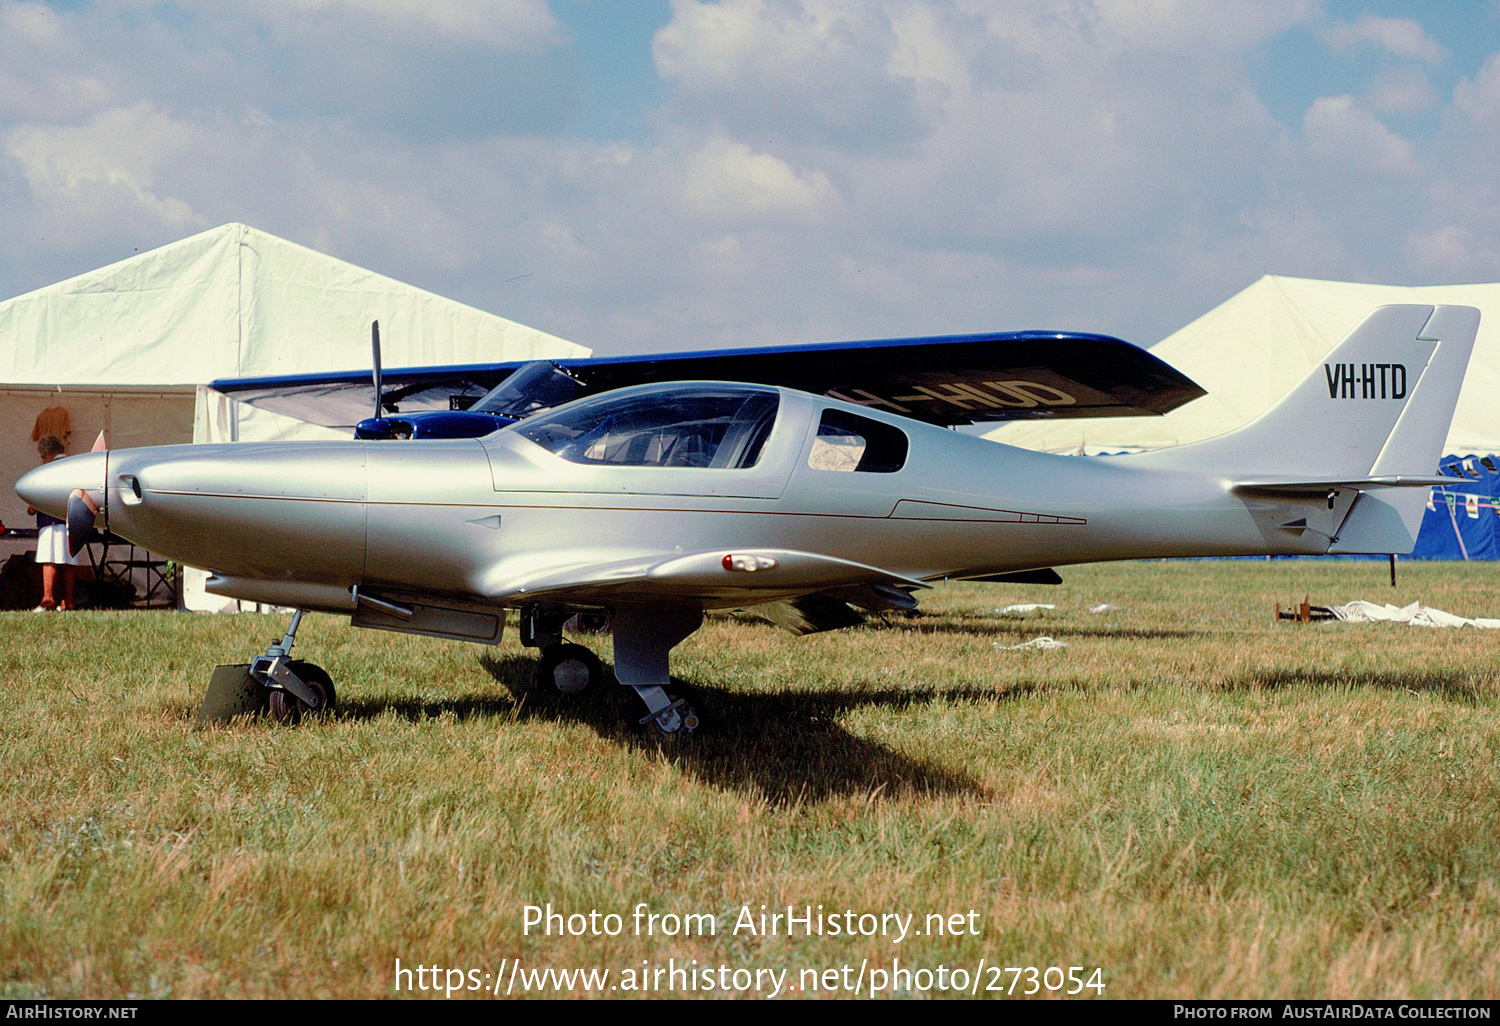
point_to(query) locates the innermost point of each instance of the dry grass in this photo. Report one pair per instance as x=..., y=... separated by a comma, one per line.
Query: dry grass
x=1195, y=800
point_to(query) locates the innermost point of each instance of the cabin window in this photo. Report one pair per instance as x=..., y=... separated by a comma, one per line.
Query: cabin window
x=670, y=426
x=849, y=442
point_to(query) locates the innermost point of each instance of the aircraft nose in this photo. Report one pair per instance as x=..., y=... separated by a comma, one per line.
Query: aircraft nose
x=47, y=487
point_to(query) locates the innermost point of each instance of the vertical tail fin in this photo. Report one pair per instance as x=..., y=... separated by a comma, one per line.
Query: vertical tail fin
x=1372, y=419
x=1379, y=405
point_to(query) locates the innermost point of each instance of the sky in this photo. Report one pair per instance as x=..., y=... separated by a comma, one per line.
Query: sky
x=642, y=175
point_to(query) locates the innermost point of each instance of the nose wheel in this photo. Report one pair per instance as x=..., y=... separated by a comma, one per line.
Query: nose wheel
x=286, y=707
x=295, y=688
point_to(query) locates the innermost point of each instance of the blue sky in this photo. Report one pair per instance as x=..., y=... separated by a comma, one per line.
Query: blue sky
x=1297, y=66
x=661, y=174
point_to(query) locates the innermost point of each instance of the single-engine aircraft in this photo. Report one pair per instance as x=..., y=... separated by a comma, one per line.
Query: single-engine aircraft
x=657, y=501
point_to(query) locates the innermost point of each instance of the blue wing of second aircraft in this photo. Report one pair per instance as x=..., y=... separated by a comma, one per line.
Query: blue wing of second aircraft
x=946, y=380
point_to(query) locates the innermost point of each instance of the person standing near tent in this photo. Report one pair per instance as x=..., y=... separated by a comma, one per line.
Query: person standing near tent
x=52, y=543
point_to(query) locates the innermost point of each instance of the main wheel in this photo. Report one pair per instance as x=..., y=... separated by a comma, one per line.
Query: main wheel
x=571, y=669
x=286, y=707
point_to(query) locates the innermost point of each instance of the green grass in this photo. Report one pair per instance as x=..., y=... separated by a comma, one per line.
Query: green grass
x=1199, y=801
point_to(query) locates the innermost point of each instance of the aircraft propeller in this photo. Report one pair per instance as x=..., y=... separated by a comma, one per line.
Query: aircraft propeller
x=375, y=346
x=83, y=509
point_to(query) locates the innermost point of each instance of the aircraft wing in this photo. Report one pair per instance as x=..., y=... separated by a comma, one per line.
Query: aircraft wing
x=945, y=380
x=717, y=578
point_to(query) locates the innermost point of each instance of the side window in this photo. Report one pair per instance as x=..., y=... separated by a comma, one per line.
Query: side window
x=849, y=442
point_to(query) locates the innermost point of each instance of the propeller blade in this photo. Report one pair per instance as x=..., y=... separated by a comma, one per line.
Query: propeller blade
x=375, y=346
x=100, y=444
x=81, y=512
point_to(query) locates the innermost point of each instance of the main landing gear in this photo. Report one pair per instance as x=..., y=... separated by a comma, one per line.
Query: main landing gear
x=643, y=638
x=571, y=669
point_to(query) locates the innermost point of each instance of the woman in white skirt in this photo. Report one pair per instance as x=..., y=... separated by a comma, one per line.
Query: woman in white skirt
x=52, y=544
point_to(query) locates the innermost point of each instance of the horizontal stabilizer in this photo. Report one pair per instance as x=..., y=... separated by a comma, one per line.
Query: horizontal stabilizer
x=1300, y=488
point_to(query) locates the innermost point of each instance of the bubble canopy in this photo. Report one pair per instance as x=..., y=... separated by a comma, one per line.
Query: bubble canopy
x=718, y=426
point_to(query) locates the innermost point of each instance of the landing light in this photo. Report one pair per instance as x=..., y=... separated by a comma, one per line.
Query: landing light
x=749, y=564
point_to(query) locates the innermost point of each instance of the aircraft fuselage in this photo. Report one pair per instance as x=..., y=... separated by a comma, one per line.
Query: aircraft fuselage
x=306, y=523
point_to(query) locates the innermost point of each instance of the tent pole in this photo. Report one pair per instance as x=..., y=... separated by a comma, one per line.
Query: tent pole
x=1393, y=569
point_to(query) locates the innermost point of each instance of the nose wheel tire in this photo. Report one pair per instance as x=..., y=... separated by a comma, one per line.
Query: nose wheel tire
x=285, y=707
x=571, y=669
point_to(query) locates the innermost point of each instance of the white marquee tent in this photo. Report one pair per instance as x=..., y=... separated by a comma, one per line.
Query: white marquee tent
x=129, y=348
x=1250, y=350
x=126, y=348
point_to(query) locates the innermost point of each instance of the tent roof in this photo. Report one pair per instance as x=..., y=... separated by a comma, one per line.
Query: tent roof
x=237, y=302
x=1250, y=350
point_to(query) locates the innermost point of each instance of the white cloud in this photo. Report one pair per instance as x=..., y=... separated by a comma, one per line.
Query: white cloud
x=807, y=70
x=1476, y=99
x=1400, y=37
x=1343, y=134
x=728, y=180
x=503, y=24
x=726, y=42
x=106, y=168
x=36, y=81
x=814, y=169
x=1107, y=27
x=1452, y=237
x=31, y=22
x=1401, y=90
x=441, y=69
x=1451, y=249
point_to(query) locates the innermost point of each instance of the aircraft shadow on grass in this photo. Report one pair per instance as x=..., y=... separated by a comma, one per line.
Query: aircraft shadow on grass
x=1455, y=689
x=1029, y=628
x=786, y=748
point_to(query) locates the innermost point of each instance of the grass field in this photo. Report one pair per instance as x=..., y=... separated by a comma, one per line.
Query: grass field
x=1194, y=800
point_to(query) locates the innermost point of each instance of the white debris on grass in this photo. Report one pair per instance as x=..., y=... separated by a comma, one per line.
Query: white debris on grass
x=1415, y=615
x=1024, y=608
x=1043, y=644
x=1103, y=607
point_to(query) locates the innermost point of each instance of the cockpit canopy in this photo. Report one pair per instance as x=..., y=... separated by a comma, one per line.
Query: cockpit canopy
x=720, y=426
x=534, y=386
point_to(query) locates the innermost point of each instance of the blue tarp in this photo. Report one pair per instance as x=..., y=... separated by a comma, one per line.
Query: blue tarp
x=1463, y=518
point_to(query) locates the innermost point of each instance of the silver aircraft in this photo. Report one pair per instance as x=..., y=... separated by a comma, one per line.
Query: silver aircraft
x=653, y=503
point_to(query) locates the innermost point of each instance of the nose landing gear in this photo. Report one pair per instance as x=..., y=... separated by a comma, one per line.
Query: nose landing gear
x=285, y=706
x=296, y=687
x=286, y=688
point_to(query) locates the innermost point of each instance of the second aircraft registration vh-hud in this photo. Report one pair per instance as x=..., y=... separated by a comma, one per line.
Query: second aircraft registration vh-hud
x=812, y=484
